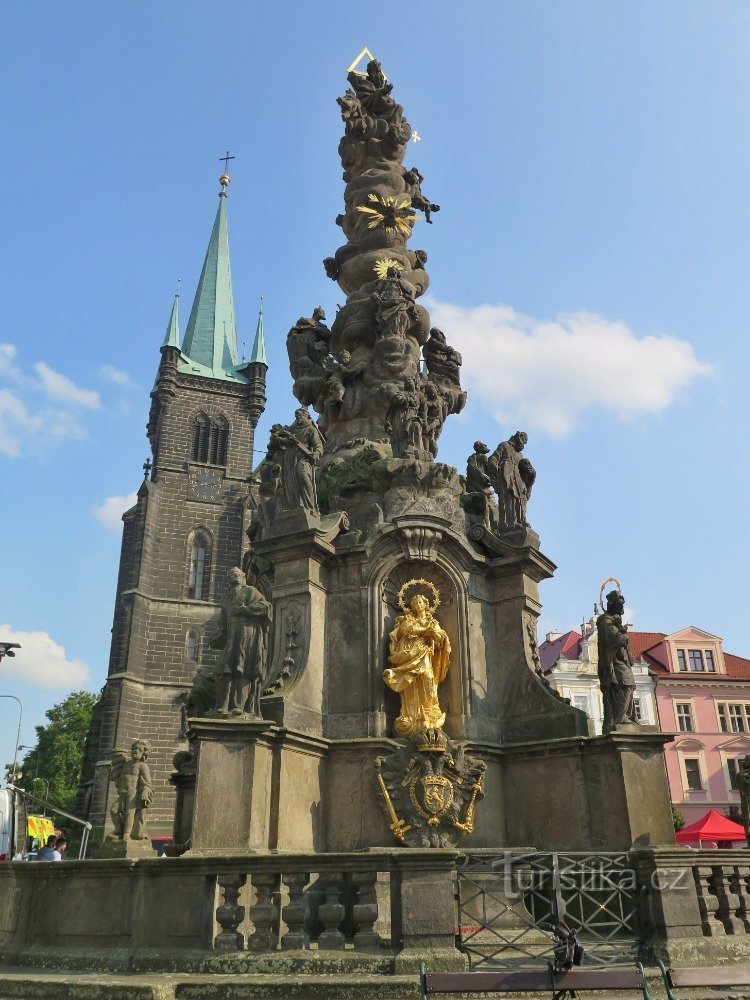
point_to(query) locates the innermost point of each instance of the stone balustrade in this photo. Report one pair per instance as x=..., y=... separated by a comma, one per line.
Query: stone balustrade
x=329, y=902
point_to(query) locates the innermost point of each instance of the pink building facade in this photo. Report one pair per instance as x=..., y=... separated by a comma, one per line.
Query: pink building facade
x=687, y=685
x=703, y=698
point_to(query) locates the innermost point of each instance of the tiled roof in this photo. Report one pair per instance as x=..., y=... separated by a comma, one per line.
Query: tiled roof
x=641, y=641
x=567, y=645
x=737, y=666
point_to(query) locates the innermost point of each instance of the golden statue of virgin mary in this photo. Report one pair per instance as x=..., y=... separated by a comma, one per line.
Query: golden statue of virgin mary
x=418, y=661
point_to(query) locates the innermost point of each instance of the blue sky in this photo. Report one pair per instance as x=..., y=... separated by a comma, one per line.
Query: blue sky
x=591, y=163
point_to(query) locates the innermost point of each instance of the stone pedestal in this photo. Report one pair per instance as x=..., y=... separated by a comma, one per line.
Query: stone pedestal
x=183, y=781
x=427, y=915
x=606, y=793
x=258, y=788
x=113, y=847
x=232, y=809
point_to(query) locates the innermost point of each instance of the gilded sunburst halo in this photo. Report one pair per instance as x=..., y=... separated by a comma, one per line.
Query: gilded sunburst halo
x=383, y=264
x=393, y=213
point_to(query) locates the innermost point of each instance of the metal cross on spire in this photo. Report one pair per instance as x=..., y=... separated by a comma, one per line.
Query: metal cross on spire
x=224, y=179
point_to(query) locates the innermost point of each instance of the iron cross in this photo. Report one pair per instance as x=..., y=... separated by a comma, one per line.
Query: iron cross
x=226, y=160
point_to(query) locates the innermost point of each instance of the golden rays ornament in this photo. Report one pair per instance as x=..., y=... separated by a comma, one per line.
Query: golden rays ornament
x=391, y=212
x=383, y=264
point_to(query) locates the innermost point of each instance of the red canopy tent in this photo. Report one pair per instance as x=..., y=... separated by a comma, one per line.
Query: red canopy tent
x=714, y=827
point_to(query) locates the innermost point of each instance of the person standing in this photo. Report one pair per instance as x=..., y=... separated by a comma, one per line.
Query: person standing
x=49, y=852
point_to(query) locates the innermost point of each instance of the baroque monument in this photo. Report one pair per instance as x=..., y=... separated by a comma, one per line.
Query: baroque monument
x=325, y=662
x=398, y=690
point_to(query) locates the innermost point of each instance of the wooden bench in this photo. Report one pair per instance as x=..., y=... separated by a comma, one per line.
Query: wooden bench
x=532, y=981
x=736, y=974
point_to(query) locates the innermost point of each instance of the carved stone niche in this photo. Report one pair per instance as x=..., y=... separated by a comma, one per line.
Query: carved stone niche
x=451, y=691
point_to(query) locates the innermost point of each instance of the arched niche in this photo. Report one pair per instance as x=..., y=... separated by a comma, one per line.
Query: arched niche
x=451, y=613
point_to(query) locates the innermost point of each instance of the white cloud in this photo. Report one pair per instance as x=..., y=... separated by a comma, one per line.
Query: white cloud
x=60, y=387
x=544, y=373
x=41, y=661
x=110, y=512
x=15, y=421
x=116, y=375
x=35, y=409
x=7, y=357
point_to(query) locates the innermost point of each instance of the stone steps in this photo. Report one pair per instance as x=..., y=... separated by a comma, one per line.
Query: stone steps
x=28, y=984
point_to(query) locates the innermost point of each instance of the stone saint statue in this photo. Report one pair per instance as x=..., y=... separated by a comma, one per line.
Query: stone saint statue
x=743, y=780
x=394, y=305
x=301, y=446
x=418, y=662
x=243, y=637
x=405, y=421
x=479, y=484
x=513, y=477
x=615, y=664
x=135, y=793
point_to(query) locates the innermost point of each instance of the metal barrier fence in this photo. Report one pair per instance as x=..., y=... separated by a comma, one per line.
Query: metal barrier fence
x=508, y=903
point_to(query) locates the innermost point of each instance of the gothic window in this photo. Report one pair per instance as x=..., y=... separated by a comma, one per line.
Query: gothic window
x=201, y=434
x=209, y=440
x=191, y=645
x=198, y=567
x=219, y=434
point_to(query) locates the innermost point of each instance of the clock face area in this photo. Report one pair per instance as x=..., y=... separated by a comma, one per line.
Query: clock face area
x=204, y=485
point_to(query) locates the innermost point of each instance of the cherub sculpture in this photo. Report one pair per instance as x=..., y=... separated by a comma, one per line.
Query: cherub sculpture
x=135, y=792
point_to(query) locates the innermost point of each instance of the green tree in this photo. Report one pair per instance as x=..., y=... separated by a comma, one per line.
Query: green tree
x=734, y=813
x=58, y=754
x=677, y=818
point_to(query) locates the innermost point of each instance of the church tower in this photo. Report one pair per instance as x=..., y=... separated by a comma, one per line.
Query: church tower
x=184, y=533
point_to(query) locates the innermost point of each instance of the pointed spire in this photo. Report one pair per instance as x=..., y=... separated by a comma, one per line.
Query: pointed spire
x=172, y=336
x=211, y=335
x=258, y=353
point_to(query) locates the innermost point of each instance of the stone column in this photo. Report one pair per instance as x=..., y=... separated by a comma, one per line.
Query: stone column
x=233, y=785
x=424, y=913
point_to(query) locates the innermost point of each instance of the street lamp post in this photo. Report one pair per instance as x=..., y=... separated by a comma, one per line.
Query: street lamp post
x=18, y=731
x=46, y=794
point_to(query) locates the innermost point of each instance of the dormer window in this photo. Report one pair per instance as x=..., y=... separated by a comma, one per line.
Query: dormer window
x=696, y=661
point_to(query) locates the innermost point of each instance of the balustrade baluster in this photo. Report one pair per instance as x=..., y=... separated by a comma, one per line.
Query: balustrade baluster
x=229, y=914
x=331, y=913
x=293, y=913
x=707, y=902
x=728, y=901
x=264, y=914
x=365, y=911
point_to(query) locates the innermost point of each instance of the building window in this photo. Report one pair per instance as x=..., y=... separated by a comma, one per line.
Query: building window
x=580, y=701
x=733, y=767
x=709, y=657
x=681, y=660
x=638, y=709
x=693, y=774
x=219, y=434
x=198, y=569
x=696, y=660
x=191, y=646
x=685, y=717
x=734, y=718
x=210, y=439
x=201, y=433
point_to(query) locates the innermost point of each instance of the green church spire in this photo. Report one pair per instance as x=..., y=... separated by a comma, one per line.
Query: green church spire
x=172, y=336
x=258, y=353
x=210, y=345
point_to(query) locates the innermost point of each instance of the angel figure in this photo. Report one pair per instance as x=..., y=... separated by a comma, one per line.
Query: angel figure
x=135, y=793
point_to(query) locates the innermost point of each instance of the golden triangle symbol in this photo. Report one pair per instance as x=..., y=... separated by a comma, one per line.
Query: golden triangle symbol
x=369, y=57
